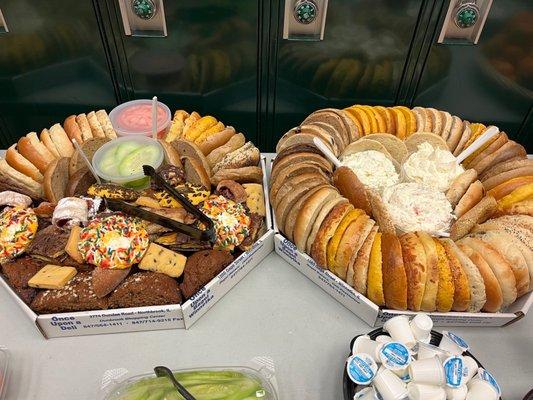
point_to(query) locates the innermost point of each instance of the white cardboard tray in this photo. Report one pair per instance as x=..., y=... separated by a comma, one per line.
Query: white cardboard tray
x=173, y=316
x=370, y=312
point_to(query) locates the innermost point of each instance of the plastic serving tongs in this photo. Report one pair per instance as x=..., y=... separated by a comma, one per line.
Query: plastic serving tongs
x=204, y=235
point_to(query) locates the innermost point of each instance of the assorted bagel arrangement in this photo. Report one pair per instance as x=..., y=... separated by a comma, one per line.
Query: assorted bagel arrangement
x=400, y=220
x=71, y=243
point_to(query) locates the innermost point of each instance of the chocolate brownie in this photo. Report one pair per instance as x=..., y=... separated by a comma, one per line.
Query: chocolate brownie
x=21, y=270
x=145, y=289
x=106, y=280
x=49, y=244
x=201, y=267
x=77, y=295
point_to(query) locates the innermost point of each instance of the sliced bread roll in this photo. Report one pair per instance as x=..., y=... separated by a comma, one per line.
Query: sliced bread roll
x=195, y=172
x=460, y=185
x=89, y=147
x=216, y=140
x=446, y=289
x=72, y=129
x=478, y=296
x=47, y=141
x=290, y=221
x=493, y=291
x=56, y=180
x=350, y=244
x=22, y=165
x=472, y=196
x=462, y=296
x=357, y=275
x=429, y=299
x=414, y=260
x=105, y=123
x=11, y=179
x=240, y=175
x=35, y=152
x=246, y=156
x=61, y=141
x=500, y=267
x=394, y=277
x=235, y=142
x=186, y=148
x=85, y=127
x=96, y=128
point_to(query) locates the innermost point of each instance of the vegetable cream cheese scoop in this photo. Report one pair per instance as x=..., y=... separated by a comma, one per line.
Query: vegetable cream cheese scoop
x=373, y=168
x=418, y=207
x=431, y=166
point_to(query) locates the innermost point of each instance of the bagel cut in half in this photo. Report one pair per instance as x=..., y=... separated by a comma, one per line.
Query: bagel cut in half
x=414, y=260
x=394, y=278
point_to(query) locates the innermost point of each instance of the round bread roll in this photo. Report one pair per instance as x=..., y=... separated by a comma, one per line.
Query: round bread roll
x=476, y=285
x=32, y=154
x=195, y=172
x=294, y=181
x=300, y=159
x=505, y=166
x=396, y=147
x=49, y=144
x=308, y=213
x=290, y=171
x=380, y=212
x=473, y=195
x=324, y=211
x=465, y=137
x=418, y=138
x=476, y=215
x=326, y=232
x=364, y=145
x=455, y=133
x=394, y=278
x=502, y=177
x=462, y=296
x=501, y=268
x=507, y=187
x=216, y=140
x=234, y=143
x=460, y=185
x=505, y=244
x=429, y=299
x=357, y=274
x=350, y=244
x=22, y=165
x=374, y=290
x=241, y=175
x=287, y=202
x=414, y=260
x=290, y=221
x=333, y=245
x=346, y=181
x=493, y=289
x=446, y=290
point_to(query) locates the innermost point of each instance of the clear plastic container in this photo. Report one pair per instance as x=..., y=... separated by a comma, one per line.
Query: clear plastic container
x=239, y=383
x=135, y=118
x=4, y=365
x=119, y=160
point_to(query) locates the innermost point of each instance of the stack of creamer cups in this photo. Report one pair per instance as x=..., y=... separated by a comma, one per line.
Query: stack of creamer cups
x=405, y=365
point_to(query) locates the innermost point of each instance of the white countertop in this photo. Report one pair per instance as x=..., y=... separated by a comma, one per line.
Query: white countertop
x=275, y=311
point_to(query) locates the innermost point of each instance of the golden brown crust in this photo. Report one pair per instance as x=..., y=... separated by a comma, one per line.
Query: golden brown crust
x=32, y=154
x=505, y=166
x=290, y=183
x=498, y=179
x=461, y=297
x=241, y=175
x=22, y=165
x=473, y=195
x=492, y=287
x=509, y=150
x=195, y=172
x=350, y=244
x=445, y=294
x=293, y=212
x=345, y=180
x=172, y=157
x=72, y=129
x=507, y=187
x=380, y=213
x=326, y=232
x=489, y=147
x=460, y=185
x=429, y=299
x=394, y=277
x=216, y=140
x=234, y=143
x=357, y=274
x=414, y=260
x=56, y=180
x=476, y=215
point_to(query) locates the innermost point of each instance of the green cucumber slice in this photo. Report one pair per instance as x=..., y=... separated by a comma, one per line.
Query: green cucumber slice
x=125, y=148
x=133, y=162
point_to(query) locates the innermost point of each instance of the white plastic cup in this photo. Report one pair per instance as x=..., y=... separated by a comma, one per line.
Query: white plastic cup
x=421, y=326
x=457, y=393
x=426, y=350
x=428, y=371
x=383, y=339
x=452, y=343
x=479, y=389
x=361, y=368
x=470, y=368
x=367, y=393
x=395, y=355
x=363, y=344
x=400, y=330
x=419, y=391
x=389, y=386
x=403, y=374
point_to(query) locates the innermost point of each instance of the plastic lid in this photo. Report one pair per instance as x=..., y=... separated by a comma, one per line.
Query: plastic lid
x=4, y=364
x=361, y=368
x=143, y=141
x=395, y=355
x=454, y=371
x=135, y=118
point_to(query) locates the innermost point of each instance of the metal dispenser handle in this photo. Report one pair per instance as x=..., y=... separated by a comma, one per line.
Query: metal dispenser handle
x=464, y=21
